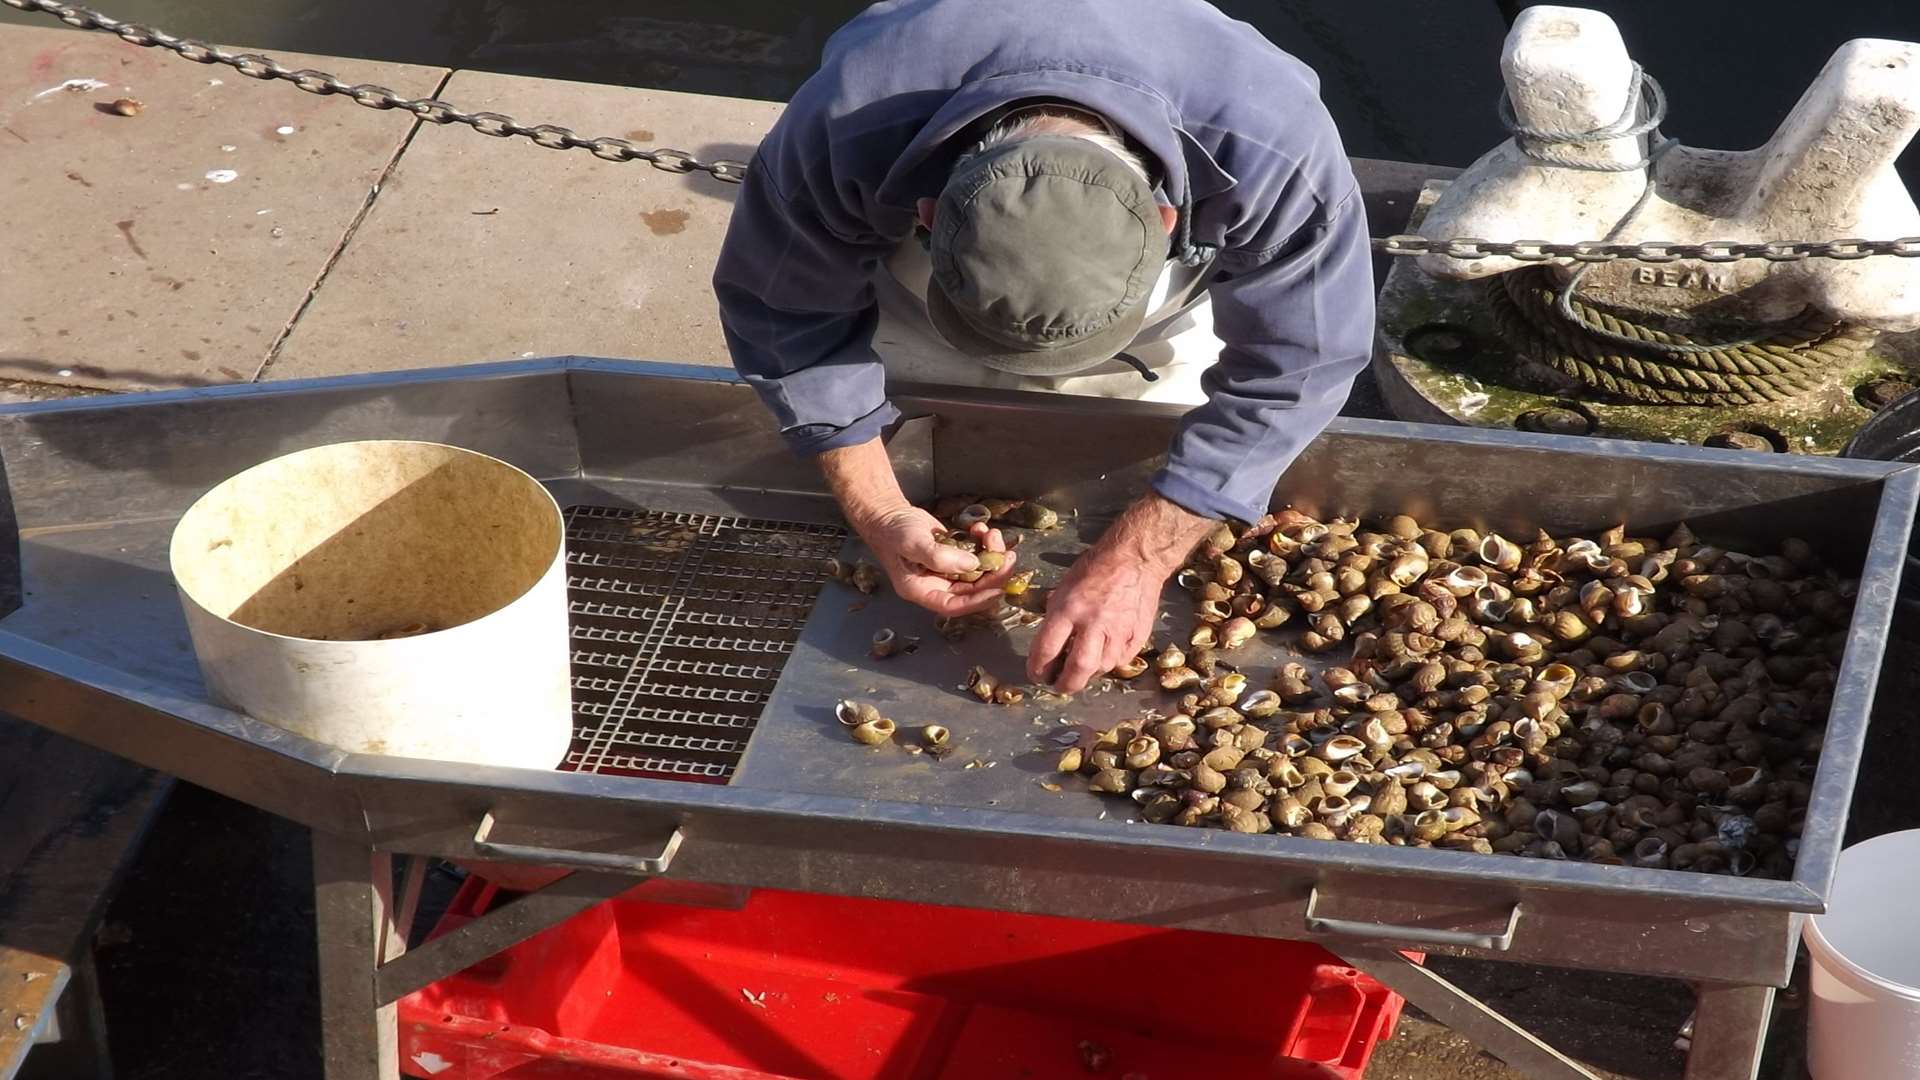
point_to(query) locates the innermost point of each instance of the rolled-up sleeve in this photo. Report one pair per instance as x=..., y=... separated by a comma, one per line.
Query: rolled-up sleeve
x=1296, y=326
x=797, y=309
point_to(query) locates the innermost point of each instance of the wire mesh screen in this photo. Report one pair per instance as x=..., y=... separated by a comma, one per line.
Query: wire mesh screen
x=680, y=624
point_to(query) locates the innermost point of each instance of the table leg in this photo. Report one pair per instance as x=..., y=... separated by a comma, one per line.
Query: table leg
x=353, y=892
x=1729, y=1031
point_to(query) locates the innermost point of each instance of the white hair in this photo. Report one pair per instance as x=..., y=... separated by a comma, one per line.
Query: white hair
x=1052, y=120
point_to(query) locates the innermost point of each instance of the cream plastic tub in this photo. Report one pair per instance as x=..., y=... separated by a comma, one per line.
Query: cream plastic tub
x=401, y=598
x=1864, y=1021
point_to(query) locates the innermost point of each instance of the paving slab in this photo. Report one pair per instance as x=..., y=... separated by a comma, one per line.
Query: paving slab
x=487, y=249
x=173, y=247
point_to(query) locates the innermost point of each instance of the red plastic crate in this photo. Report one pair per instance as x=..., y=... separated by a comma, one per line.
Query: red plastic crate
x=802, y=987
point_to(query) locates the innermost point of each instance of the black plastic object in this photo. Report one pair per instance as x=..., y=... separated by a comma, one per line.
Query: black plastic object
x=1892, y=434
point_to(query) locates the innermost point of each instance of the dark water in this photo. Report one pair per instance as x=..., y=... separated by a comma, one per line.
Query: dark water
x=1412, y=80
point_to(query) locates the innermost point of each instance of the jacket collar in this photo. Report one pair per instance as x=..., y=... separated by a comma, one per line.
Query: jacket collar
x=1189, y=171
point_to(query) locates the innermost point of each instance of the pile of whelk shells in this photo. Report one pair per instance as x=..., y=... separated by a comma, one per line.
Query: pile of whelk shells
x=1614, y=699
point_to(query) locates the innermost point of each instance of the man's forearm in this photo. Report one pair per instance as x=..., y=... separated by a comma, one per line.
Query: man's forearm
x=1154, y=532
x=862, y=479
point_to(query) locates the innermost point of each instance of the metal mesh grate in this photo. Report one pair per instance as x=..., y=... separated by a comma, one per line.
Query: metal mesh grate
x=680, y=624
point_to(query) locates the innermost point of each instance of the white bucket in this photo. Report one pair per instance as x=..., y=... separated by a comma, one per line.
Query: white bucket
x=1865, y=1017
x=292, y=572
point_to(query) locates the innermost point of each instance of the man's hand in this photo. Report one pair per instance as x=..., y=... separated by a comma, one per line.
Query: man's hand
x=1103, y=611
x=1098, y=617
x=904, y=538
x=904, y=544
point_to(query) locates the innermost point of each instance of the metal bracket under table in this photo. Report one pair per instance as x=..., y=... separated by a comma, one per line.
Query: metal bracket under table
x=366, y=967
x=1729, y=1024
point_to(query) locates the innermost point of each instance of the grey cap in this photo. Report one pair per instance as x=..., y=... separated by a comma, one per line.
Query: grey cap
x=1045, y=251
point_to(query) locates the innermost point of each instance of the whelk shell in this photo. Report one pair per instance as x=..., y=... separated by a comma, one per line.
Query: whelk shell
x=1219, y=716
x=1241, y=820
x=1223, y=758
x=1237, y=632
x=1464, y=581
x=1227, y=570
x=1290, y=813
x=1142, y=752
x=1587, y=555
x=873, y=732
x=1261, y=703
x=866, y=576
x=1275, y=614
x=1207, y=778
x=1340, y=748
x=1179, y=678
x=1555, y=679
x=1499, y=552
x=1032, y=515
x=971, y=515
x=1340, y=782
x=1283, y=771
x=853, y=713
x=1521, y=646
x=1407, y=568
x=1226, y=689
x=884, y=644
x=1333, y=809
x=982, y=684
x=1635, y=682
x=1428, y=825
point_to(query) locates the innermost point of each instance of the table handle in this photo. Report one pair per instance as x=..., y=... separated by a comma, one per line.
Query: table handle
x=1411, y=935
x=647, y=866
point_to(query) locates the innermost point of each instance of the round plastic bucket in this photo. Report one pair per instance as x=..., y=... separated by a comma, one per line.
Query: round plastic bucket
x=400, y=598
x=1865, y=1016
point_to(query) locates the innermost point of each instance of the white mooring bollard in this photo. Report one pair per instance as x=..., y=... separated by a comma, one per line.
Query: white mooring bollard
x=1827, y=173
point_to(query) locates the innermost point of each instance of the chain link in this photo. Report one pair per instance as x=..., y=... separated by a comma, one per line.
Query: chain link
x=1652, y=251
x=555, y=137
x=430, y=110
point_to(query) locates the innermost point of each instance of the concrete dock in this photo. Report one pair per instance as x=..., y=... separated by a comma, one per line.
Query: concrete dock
x=234, y=231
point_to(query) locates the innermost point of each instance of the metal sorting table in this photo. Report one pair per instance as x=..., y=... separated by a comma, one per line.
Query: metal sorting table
x=708, y=645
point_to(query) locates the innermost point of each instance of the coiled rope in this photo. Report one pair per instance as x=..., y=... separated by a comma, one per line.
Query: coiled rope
x=1666, y=367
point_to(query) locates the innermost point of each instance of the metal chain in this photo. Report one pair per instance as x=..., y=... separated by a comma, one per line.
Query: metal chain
x=1653, y=251
x=555, y=137
x=432, y=110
